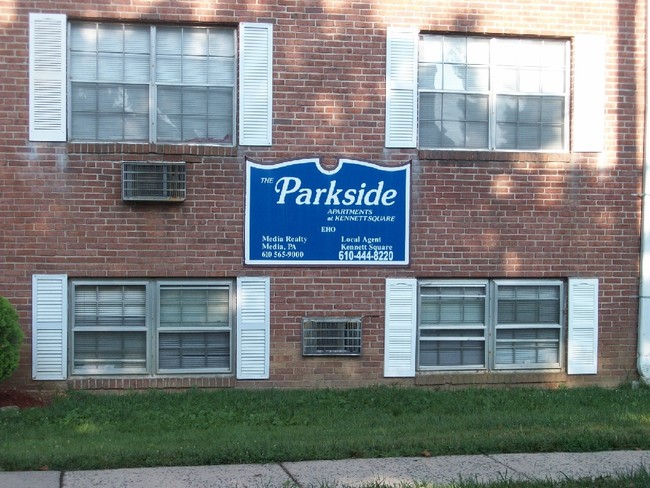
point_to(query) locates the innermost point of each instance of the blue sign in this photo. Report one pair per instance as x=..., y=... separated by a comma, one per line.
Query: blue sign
x=298, y=213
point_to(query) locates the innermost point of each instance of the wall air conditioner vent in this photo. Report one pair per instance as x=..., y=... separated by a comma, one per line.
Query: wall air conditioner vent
x=160, y=182
x=322, y=336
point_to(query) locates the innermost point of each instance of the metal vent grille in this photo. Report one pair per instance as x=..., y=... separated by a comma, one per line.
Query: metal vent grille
x=153, y=181
x=331, y=336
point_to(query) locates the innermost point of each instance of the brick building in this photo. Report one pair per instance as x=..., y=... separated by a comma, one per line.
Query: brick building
x=454, y=192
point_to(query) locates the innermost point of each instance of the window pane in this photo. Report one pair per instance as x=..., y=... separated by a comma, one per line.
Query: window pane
x=453, y=134
x=110, y=38
x=168, y=40
x=194, y=307
x=195, y=42
x=553, y=81
x=430, y=49
x=529, y=81
x=193, y=114
x=552, y=137
x=136, y=68
x=533, y=123
x=84, y=127
x=452, y=354
x=430, y=76
x=221, y=71
x=478, y=78
x=83, y=66
x=109, y=306
x=110, y=67
x=83, y=37
x=430, y=134
x=109, y=352
x=528, y=347
x=169, y=70
x=194, y=351
x=453, y=107
x=478, y=50
x=221, y=42
x=552, y=110
x=195, y=70
x=528, y=305
x=477, y=135
x=452, y=306
x=455, y=49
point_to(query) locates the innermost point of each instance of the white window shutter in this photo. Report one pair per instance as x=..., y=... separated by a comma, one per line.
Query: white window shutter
x=589, y=93
x=47, y=77
x=401, y=313
x=583, y=326
x=49, y=327
x=401, y=87
x=255, y=84
x=253, y=328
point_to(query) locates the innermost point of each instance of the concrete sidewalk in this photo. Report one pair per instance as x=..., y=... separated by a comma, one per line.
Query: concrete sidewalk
x=346, y=473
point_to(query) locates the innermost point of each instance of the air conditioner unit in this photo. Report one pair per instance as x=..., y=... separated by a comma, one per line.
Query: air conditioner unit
x=161, y=182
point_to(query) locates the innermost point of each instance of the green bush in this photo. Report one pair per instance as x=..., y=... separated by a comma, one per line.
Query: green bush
x=11, y=338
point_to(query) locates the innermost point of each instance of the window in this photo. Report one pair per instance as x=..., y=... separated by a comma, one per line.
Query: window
x=151, y=327
x=484, y=93
x=110, y=82
x=499, y=325
x=152, y=84
x=331, y=336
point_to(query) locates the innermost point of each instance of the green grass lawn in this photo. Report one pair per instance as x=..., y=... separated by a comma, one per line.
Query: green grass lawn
x=90, y=431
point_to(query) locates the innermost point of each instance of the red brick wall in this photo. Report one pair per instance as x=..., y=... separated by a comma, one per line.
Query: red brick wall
x=473, y=214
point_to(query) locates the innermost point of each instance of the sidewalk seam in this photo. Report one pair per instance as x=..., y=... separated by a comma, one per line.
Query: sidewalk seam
x=61, y=478
x=291, y=476
x=509, y=468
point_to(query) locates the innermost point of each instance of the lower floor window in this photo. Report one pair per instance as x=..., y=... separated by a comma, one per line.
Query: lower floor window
x=151, y=327
x=490, y=324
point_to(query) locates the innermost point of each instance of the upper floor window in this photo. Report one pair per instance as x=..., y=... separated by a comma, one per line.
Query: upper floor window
x=492, y=94
x=479, y=93
x=152, y=84
x=134, y=83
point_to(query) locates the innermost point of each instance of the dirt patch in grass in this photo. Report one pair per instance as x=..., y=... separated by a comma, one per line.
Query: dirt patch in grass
x=22, y=399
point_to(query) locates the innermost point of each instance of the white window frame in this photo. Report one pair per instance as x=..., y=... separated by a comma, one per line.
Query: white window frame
x=154, y=85
x=152, y=327
x=492, y=93
x=477, y=284
x=228, y=328
x=491, y=326
x=49, y=104
x=559, y=327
